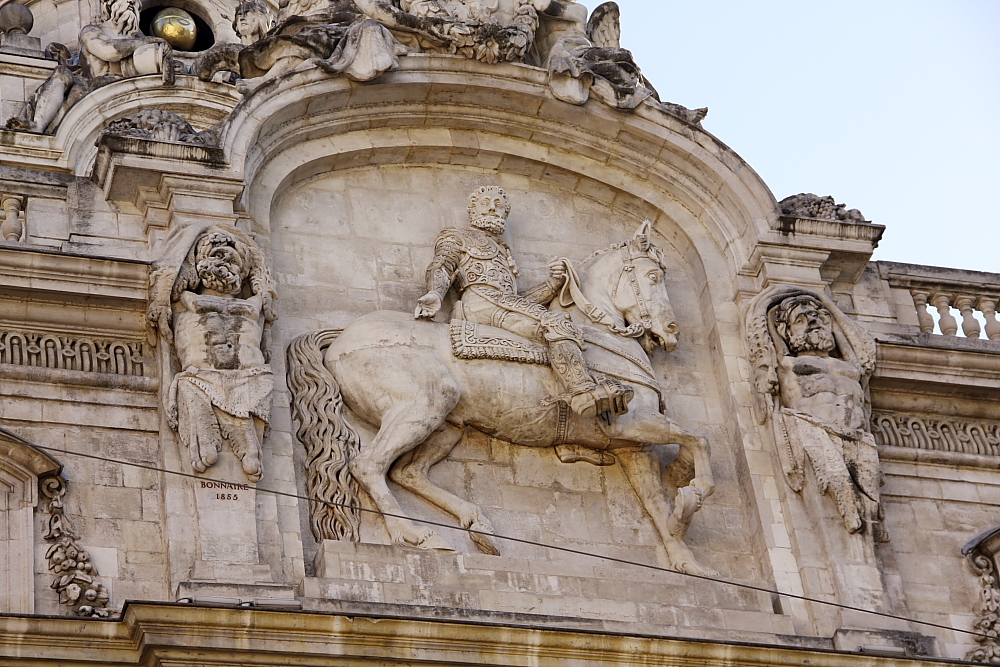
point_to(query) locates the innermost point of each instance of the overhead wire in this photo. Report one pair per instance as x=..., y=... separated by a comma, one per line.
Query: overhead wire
x=519, y=540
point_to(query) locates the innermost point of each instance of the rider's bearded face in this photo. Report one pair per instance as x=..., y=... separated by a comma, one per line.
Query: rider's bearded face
x=489, y=212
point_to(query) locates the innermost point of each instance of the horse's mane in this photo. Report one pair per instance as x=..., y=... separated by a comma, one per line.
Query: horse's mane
x=653, y=251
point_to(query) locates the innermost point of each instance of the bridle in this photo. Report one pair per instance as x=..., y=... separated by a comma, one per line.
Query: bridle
x=599, y=316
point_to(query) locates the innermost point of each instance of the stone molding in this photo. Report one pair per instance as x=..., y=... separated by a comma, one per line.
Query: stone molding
x=72, y=147
x=21, y=466
x=644, y=158
x=834, y=229
x=42, y=271
x=192, y=634
x=72, y=353
x=892, y=429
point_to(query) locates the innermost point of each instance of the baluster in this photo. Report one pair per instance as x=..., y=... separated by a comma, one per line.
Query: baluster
x=970, y=325
x=948, y=323
x=12, y=227
x=925, y=319
x=988, y=307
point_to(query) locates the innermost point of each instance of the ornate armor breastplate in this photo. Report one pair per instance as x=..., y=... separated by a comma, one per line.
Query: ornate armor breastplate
x=485, y=262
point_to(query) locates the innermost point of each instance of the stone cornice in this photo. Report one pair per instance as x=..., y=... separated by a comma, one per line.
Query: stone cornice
x=151, y=633
x=48, y=274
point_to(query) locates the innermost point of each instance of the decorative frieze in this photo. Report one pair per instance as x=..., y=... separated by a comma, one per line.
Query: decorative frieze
x=940, y=434
x=71, y=353
x=68, y=561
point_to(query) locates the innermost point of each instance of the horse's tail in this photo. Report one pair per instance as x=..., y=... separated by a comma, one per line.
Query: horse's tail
x=329, y=440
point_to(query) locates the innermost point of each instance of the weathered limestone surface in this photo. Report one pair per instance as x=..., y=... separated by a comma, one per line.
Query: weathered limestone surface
x=339, y=190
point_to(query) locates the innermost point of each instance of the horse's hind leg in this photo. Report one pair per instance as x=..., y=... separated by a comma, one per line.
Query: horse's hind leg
x=404, y=426
x=410, y=472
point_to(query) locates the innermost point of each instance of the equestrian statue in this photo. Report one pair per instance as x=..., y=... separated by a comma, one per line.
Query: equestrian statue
x=562, y=365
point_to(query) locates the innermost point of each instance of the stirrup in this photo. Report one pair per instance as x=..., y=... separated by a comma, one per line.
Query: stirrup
x=606, y=397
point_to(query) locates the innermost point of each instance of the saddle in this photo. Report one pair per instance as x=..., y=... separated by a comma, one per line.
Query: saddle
x=470, y=340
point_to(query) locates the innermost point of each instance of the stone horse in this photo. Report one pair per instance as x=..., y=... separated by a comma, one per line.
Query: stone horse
x=402, y=376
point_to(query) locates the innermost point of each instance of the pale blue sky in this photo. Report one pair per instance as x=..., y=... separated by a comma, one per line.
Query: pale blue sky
x=891, y=106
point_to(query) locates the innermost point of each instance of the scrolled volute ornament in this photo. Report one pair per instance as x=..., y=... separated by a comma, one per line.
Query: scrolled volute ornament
x=75, y=577
x=981, y=555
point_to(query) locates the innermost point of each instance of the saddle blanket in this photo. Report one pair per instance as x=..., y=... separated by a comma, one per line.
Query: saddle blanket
x=479, y=341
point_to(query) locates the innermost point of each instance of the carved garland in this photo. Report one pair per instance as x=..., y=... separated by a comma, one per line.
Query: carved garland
x=92, y=355
x=944, y=435
x=68, y=561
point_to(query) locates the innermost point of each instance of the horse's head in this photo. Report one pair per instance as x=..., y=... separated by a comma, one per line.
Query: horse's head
x=641, y=295
x=624, y=285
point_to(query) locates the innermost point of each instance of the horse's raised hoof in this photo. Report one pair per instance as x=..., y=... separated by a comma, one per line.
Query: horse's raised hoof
x=574, y=453
x=694, y=567
x=482, y=540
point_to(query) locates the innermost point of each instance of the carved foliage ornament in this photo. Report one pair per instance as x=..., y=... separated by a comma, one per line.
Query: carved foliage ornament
x=159, y=125
x=75, y=576
x=980, y=553
x=808, y=205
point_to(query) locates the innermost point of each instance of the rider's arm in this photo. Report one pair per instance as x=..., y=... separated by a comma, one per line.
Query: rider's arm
x=447, y=255
x=548, y=290
x=543, y=293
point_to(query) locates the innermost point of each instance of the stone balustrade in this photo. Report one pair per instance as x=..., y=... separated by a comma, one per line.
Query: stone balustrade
x=945, y=290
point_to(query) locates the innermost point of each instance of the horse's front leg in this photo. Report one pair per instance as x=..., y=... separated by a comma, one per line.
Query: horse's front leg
x=693, y=465
x=642, y=469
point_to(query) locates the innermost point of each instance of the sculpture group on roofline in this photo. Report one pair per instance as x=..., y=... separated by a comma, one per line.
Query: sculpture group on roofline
x=359, y=39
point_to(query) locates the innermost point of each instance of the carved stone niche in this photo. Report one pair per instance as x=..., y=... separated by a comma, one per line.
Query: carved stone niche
x=21, y=466
x=981, y=554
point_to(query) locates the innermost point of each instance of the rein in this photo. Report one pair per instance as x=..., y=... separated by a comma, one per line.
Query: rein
x=597, y=315
x=571, y=293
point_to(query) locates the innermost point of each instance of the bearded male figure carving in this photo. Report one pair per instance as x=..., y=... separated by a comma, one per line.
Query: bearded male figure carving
x=215, y=310
x=817, y=371
x=478, y=261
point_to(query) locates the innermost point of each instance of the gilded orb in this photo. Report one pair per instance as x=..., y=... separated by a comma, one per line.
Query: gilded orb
x=177, y=27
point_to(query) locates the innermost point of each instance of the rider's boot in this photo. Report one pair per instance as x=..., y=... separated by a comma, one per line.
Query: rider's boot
x=586, y=396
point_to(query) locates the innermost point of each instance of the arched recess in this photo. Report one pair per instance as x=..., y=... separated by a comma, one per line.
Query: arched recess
x=452, y=109
x=201, y=104
x=438, y=110
x=21, y=466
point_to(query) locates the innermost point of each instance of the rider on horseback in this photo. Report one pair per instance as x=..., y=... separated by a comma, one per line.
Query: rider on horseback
x=481, y=264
